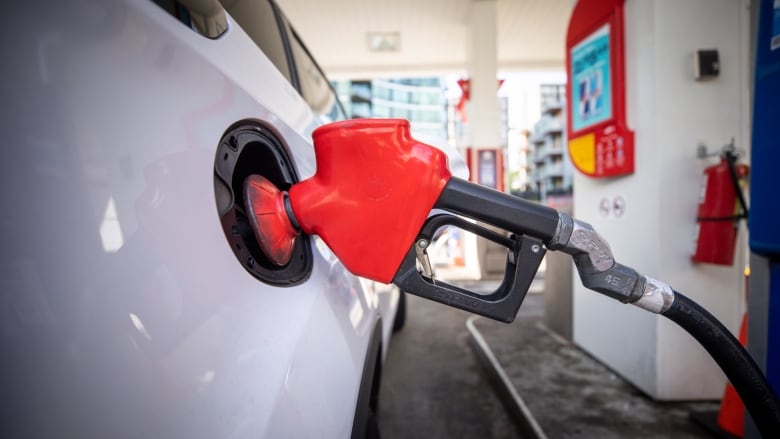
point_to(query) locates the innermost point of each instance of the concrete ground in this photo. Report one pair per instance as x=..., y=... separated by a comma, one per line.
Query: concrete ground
x=434, y=387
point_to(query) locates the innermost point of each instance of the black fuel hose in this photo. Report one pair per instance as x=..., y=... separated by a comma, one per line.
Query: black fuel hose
x=733, y=359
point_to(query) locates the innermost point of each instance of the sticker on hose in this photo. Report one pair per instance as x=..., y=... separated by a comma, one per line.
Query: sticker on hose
x=775, y=41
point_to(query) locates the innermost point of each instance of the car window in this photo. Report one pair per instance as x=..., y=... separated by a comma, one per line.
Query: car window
x=257, y=19
x=205, y=17
x=315, y=87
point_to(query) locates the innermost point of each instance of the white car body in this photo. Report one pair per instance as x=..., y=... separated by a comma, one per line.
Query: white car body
x=124, y=311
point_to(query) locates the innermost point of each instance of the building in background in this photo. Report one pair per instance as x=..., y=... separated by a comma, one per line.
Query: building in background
x=519, y=165
x=420, y=100
x=550, y=172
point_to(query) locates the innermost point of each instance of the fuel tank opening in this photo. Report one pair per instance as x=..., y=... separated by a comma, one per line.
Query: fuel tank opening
x=253, y=158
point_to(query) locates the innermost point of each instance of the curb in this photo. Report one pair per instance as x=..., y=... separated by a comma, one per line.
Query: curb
x=514, y=404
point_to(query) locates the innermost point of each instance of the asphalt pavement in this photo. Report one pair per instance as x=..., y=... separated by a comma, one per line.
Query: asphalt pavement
x=434, y=386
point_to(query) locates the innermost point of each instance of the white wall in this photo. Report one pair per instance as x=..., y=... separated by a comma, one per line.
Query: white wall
x=671, y=114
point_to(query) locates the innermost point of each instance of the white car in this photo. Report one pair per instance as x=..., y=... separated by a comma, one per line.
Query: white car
x=135, y=303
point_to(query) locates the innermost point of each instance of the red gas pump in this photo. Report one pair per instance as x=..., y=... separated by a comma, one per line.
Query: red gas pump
x=721, y=206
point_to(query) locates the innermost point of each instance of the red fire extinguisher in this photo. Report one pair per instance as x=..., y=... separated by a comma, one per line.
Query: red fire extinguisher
x=721, y=207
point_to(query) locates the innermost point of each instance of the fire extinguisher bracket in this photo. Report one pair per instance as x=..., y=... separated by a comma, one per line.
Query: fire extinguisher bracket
x=721, y=207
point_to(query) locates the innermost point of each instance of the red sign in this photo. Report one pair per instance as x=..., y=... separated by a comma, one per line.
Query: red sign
x=465, y=95
x=600, y=142
x=486, y=166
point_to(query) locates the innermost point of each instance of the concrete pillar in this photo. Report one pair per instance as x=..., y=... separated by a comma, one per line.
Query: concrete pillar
x=671, y=113
x=482, y=69
x=558, y=291
x=482, y=109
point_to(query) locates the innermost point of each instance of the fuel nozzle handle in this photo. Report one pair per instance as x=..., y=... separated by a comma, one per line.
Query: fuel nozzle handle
x=592, y=255
x=596, y=265
x=502, y=210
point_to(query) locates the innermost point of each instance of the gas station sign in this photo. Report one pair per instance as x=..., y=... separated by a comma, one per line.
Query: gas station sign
x=600, y=143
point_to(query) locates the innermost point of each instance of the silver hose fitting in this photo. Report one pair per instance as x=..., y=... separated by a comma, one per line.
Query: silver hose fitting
x=658, y=296
x=595, y=263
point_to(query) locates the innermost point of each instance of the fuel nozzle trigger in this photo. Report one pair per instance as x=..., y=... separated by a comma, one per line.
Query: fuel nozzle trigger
x=420, y=251
x=523, y=258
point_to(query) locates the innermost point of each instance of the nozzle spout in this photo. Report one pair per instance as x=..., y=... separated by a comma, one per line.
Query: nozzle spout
x=274, y=226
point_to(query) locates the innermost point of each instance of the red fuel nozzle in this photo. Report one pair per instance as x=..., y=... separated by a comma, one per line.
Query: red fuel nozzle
x=373, y=189
x=370, y=201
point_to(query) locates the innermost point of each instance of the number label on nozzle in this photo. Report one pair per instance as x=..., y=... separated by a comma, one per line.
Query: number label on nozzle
x=612, y=280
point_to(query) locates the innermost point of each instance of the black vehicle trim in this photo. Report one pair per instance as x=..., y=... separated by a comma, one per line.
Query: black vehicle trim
x=319, y=69
x=368, y=395
x=282, y=24
x=284, y=27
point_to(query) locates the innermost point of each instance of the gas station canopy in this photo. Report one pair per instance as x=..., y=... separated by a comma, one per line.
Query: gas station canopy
x=353, y=38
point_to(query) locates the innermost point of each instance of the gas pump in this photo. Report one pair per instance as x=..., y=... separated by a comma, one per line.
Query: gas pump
x=372, y=176
x=764, y=298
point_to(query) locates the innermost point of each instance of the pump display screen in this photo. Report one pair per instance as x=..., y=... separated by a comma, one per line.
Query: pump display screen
x=591, y=80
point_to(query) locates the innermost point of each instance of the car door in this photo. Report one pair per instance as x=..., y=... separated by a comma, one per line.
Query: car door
x=128, y=309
